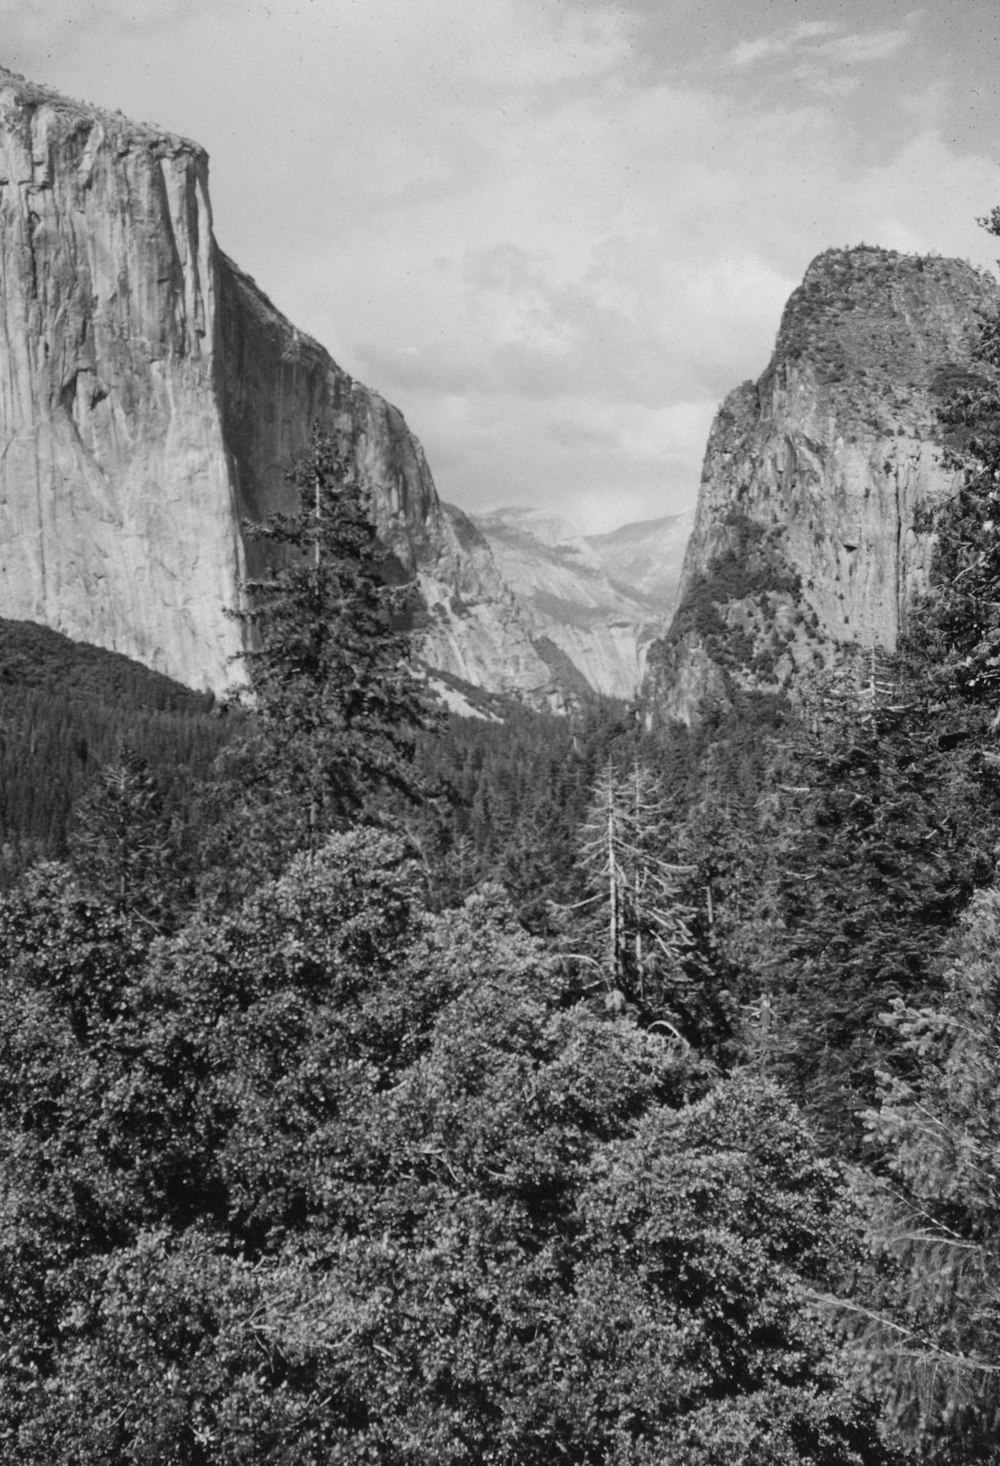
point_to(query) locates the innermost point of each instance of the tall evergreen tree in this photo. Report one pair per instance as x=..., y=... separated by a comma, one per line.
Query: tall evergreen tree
x=637, y=892
x=336, y=698
x=642, y=920
x=123, y=843
x=928, y=1325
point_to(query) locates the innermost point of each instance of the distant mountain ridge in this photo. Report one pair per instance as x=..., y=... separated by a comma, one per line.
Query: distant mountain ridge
x=807, y=535
x=601, y=599
x=647, y=555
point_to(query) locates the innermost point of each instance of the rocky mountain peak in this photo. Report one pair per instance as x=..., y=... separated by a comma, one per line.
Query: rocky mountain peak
x=805, y=532
x=880, y=331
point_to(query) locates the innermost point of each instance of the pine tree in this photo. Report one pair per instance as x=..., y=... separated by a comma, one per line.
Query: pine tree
x=640, y=921
x=928, y=1325
x=885, y=836
x=336, y=699
x=122, y=842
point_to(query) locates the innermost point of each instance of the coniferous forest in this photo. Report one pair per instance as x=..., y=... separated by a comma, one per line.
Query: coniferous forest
x=377, y=1086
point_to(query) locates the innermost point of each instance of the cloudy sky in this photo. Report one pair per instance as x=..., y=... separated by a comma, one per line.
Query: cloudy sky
x=554, y=232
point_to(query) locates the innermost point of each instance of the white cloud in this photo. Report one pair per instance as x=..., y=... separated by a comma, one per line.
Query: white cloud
x=857, y=50
x=777, y=45
x=815, y=55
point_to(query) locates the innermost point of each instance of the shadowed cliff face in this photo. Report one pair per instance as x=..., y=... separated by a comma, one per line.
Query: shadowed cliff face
x=804, y=534
x=274, y=382
x=152, y=398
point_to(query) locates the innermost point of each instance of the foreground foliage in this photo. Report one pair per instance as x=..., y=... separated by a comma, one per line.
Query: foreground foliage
x=337, y=1179
x=931, y=1332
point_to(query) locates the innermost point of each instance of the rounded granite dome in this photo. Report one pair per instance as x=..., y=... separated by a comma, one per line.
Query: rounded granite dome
x=873, y=324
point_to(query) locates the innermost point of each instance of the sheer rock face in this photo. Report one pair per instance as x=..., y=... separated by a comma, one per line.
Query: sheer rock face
x=804, y=537
x=117, y=520
x=151, y=399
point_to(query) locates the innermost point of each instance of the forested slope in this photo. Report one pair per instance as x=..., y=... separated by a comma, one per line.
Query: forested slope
x=64, y=709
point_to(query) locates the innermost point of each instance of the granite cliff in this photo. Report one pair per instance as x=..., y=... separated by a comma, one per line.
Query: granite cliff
x=600, y=600
x=804, y=537
x=151, y=398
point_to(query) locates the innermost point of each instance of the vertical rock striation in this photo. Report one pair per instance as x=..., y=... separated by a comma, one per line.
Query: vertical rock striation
x=805, y=537
x=151, y=399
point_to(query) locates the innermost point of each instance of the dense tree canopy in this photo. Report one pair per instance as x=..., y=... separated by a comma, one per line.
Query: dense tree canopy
x=337, y=1179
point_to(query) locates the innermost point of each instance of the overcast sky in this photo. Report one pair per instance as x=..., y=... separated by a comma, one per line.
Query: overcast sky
x=554, y=232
